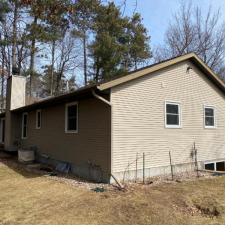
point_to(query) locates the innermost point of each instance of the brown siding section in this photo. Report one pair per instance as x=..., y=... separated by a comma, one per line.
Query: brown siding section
x=90, y=145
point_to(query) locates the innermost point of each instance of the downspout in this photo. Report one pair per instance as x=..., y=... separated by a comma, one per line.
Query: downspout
x=101, y=98
x=110, y=104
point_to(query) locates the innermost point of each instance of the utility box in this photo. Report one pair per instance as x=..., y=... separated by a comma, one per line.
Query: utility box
x=26, y=156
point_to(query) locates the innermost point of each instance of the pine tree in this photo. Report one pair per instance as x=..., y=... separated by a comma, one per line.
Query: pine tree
x=82, y=20
x=4, y=8
x=138, y=44
x=120, y=44
x=106, y=49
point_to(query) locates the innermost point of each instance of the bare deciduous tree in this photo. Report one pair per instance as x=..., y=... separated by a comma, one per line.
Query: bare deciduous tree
x=66, y=60
x=193, y=31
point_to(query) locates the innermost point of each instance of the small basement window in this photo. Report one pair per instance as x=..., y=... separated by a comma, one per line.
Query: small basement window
x=71, y=120
x=220, y=166
x=24, y=125
x=172, y=115
x=209, y=166
x=38, y=119
x=209, y=117
x=215, y=166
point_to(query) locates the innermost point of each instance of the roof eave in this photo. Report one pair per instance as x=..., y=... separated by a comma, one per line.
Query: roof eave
x=58, y=99
x=140, y=73
x=210, y=74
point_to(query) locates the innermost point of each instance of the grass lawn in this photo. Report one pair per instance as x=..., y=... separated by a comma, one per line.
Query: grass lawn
x=27, y=198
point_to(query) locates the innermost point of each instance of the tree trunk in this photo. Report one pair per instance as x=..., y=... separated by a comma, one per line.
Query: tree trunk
x=2, y=87
x=85, y=59
x=52, y=68
x=32, y=56
x=59, y=78
x=14, y=36
x=97, y=71
x=2, y=80
x=135, y=63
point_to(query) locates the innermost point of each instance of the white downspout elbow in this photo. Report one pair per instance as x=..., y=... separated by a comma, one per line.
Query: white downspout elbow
x=101, y=98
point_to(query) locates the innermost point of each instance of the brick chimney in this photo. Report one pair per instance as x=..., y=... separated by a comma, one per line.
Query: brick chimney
x=15, y=98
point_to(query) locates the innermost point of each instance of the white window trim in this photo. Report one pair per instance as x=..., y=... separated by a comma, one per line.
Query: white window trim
x=38, y=111
x=179, y=113
x=2, y=119
x=213, y=162
x=66, y=118
x=215, y=120
x=23, y=125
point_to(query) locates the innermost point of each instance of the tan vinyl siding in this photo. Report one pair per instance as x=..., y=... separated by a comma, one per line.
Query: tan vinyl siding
x=91, y=144
x=138, y=119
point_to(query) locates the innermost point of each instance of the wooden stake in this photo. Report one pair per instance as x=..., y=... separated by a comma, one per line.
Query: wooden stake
x=196, y=160
x=136, y=167
x=143, y=168
x=120, y=186
x=128, y=171
x=171, y=166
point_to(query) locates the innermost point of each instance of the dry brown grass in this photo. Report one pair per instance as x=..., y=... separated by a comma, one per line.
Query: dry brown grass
x=26, y=198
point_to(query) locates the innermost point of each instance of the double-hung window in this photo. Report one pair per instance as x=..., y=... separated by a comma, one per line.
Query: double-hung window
x=71, y=118
x=172, y=115
x=209, y=117
x=24, y=125
x=38, y=119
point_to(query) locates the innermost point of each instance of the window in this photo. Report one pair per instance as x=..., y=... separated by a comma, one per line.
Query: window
x=71, y=120
x=220, y=166
x=24, y=125
x=172, y=115
x=209, y=166
x=215, y=166
x=209, y=117
x=38, y=119
x=2, y=138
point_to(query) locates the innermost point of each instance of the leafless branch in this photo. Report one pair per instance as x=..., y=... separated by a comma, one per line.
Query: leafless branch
x=191, y=31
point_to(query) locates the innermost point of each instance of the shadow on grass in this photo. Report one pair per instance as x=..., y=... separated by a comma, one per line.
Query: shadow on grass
x=10, y=160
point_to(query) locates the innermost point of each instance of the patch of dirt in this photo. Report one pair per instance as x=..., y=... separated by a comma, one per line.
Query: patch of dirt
x=203, y=207
x=209, y=207
x=186, y=209
x=212, y=211
x=46, y=169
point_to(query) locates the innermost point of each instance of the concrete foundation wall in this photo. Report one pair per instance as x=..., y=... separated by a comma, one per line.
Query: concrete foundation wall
x=131, y=175
x=84, y=170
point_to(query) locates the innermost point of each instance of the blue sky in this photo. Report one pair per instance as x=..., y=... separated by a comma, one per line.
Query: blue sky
x=157, y=14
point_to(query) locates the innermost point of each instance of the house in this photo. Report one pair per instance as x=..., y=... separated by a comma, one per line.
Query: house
x=172, y=112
